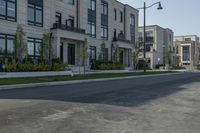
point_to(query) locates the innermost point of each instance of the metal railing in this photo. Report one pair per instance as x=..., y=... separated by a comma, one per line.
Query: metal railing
x=68, y=28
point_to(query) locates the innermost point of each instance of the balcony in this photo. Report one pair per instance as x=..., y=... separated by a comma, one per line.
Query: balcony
x=148, y=39
x=121, y=37
x=68, y=28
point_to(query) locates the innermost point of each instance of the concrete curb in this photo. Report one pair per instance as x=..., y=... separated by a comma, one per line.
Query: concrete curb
x=20, y=86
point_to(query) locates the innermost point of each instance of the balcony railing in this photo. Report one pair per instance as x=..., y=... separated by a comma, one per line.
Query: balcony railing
x=122, y=38
x=148, y=39
x=68, y=28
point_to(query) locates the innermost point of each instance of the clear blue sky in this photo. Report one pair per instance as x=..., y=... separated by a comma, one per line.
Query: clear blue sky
x=182, y=16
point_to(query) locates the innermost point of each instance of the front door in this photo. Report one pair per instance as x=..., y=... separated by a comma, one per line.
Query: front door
x=71, y=54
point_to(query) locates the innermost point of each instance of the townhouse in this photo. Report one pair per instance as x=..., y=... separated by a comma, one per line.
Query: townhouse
x=187, y=50
x=69, y=22
x=159, y=41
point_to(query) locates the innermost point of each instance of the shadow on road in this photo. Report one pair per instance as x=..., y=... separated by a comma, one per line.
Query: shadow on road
x=127, y=92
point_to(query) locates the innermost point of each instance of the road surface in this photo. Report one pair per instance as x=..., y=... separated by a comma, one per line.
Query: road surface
x=161, y=104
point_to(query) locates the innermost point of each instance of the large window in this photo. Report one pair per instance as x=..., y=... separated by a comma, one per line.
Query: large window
x=115, y=12
x=6, y=45
x=91, y=29
x=186, y=53
x=92, y=5
x=104, y=8
x=104, y=32
x=8, y=10
x=34, y=46
x=132, y=19
x=35, y=13
x=71, y=2
x=92, y=53
x=121, y=17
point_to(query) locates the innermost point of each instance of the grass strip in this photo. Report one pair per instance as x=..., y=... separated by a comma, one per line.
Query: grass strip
x=13, y=81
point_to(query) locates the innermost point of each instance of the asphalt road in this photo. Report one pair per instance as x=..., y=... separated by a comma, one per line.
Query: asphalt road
x=161, y=104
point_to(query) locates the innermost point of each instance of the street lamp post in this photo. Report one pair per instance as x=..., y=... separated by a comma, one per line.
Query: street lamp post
x=144, y=39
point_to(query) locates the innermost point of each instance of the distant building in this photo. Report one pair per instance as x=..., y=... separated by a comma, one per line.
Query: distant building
x=187, y=50
x=159, y=41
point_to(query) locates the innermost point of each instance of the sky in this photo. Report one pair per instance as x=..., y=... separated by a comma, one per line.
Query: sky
x=182, y=16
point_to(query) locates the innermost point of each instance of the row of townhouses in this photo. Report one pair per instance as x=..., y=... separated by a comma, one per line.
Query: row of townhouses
x=159, y=41
x=111, y=22
x=70, y=22
x=187, y=50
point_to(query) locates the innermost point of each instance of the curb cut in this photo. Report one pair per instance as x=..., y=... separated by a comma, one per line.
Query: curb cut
x=20, y=86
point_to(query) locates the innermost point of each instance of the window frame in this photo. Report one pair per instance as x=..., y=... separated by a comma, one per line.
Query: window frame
x=90, y=27
x=71, y=2
x=34, y=41
x=92, y=5
x=105, y=32
x=7, y=37
x=35, y=9
x=93, y=49
x=6, y=17
x=104, y=8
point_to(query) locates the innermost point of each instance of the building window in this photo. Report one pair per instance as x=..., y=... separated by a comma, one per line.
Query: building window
x=8, y=10
x=132, y=27
x=92, y=5
x=35, y=13
x=115, y=12
x=71, y=2
x=71, y=21
x=92, y=53
x=187, y=39
x=170, y=37
x=149, y=36
x=104, y=8
x=104, y=32
x=132, y=19
x=34, y=47
x=91, y=29
x=58, y=18
x=6, y=45
x=121, y=17
x=186, y=53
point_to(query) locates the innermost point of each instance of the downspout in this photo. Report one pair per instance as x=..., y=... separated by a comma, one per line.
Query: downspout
x=77, y=14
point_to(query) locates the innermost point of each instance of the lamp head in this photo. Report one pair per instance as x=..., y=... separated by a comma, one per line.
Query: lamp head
x=159, y=6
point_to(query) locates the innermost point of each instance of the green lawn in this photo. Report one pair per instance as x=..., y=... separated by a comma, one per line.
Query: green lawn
x=12, y=81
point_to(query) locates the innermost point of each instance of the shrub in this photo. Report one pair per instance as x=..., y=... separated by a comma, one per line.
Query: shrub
x=178, y=67
x=111, y=67
x=30, y=65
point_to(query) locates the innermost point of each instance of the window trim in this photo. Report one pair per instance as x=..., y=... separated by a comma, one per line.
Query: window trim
x=90, y=32
x=104, y=27
x=6, y=38
x=35, y=8
x=34, y=41
x=6, y=17
x=71, y=2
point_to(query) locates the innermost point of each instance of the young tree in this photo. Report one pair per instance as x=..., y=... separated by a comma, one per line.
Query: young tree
x=45, y=49
x=115, y=52
x=168, y=57
x=135, y=54
x=102, y=55
x=19, y=43
x=85, y=54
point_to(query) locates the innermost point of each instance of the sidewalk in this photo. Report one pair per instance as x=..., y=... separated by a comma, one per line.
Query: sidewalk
x=7, y=87
x=69, y=73
x=54, y=73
